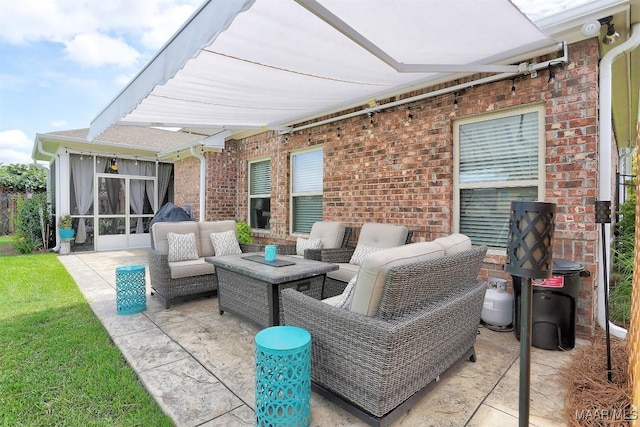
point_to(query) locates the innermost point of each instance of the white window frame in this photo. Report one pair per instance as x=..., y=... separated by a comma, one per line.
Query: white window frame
x=293, y=195
x=539, y=182
x=256, y=196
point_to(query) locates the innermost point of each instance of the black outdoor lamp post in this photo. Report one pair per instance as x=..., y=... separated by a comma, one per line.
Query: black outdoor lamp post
x=603, y=216
x=530, y=256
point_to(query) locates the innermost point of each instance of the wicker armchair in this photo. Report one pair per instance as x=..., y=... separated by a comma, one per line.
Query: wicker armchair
x=372, y=234
x=377, y=366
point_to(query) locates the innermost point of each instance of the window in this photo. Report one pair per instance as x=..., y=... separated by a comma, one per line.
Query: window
x=306, y=189
x=260, y=194
x=497, y=159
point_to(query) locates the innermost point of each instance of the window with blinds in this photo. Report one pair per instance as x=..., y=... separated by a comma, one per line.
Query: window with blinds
x=306, y=189
x=260, y=194
x=498, y=160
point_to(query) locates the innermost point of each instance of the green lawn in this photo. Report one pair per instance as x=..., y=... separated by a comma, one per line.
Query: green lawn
x=57, y=364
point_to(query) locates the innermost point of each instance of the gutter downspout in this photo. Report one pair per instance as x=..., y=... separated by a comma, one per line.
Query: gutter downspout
x=605, y=174
x=203, y=180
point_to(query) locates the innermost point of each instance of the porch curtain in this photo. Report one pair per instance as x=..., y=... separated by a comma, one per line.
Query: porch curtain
x=164, y=175
x=136, y=195
x=82, y=176
x=150, y=170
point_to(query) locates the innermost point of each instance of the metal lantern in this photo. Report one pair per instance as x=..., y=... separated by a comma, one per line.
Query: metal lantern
x=530, y=256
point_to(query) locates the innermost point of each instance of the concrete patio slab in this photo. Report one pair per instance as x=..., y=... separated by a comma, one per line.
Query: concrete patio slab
x=199, y=365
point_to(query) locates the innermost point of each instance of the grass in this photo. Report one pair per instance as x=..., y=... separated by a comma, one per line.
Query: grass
x=57, y=363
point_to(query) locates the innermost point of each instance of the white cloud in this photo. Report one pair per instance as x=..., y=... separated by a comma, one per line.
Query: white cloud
x=15, y=147
x=95, y=33
x=96, y=50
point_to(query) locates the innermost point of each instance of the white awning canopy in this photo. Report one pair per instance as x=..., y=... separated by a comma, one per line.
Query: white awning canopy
x=266, y=64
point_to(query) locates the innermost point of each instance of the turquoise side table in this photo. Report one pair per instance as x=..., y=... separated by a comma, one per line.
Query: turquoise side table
x=283, y=376
x=131, y=292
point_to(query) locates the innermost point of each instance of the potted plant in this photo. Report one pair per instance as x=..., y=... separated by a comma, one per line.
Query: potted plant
x=65, y=227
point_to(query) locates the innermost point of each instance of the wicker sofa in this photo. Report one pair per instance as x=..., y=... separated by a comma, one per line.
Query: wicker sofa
x=178, y=280
x=414, y=312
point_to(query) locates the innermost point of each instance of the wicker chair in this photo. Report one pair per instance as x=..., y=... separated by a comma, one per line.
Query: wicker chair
x=373, y=234
x=377, y=366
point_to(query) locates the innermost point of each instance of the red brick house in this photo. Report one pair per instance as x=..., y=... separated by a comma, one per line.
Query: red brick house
x=445, y=152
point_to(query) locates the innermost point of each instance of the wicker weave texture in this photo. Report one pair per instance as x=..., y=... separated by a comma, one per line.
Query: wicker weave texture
x=169, y=288
x=378, y=362
x=249, y=297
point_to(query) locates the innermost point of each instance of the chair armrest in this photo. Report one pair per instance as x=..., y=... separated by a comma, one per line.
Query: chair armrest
x=286, y=249
x=251, y=247
x=334, y=255
x=159, y=272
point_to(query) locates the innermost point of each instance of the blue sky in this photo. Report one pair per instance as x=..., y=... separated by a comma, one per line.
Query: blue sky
x=62, y=61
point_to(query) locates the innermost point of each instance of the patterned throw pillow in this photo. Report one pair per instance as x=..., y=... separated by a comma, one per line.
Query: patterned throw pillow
x=302, y=244
x=182, y=247
x=225, y=243
x=347, y=295
x=361, y=252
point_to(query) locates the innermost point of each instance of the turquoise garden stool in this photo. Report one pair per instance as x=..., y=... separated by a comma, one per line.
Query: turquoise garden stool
x=283, y=376
x=131, y=292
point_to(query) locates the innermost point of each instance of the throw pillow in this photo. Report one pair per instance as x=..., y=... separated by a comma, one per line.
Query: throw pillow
x=302, y=244
x=182, y=247
x=347, y=295
x=225, y=243
x=361, y=252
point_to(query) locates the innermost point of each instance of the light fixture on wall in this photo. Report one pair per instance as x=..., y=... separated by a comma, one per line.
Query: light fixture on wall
x=611, y=35
x=513, y=87
x=455, y=100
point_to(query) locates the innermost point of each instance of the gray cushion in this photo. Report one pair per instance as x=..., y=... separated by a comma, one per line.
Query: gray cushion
x=373, y=272
x=454, y=243
x=225, y=243
x=192, y=268
x=347, y=295
x=208, y=227
x=182, y=247
x=302, y=244
x=345, y=272
x=331, y=233
x=383, y=235
x=160, y=230
x=361, y=252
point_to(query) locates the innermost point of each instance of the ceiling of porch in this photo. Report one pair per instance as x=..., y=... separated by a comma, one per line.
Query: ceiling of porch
x=318, y=57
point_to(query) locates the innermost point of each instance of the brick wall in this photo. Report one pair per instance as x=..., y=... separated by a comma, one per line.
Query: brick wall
x=186, y=184
x=397, y=165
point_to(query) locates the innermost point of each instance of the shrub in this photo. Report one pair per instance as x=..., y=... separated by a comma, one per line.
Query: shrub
x=32, y=223
x=622, y=269
x=244, y=232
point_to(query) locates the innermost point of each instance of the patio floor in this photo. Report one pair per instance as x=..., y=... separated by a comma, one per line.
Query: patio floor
x=199, y=366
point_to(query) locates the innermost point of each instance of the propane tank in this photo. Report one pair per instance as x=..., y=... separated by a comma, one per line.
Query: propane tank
x=498, y=304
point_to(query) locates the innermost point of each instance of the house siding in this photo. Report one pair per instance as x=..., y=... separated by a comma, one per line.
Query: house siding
x=396, y=166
